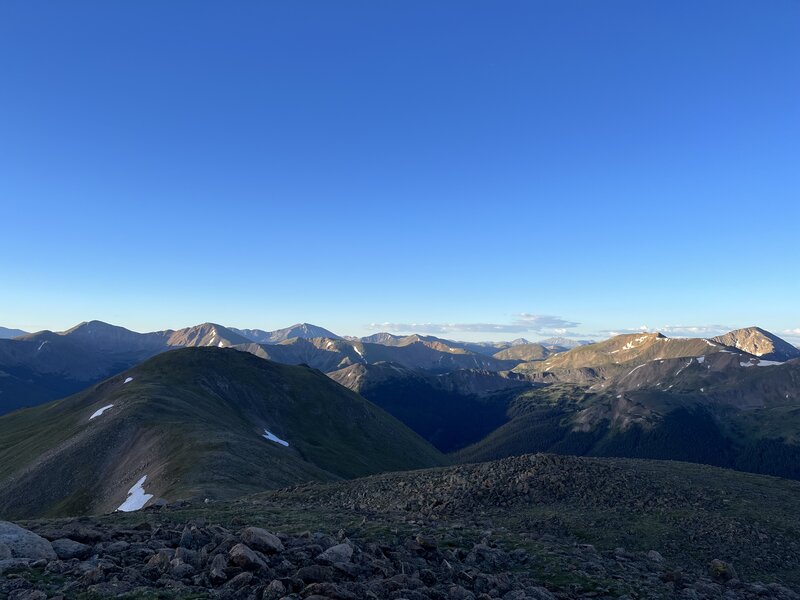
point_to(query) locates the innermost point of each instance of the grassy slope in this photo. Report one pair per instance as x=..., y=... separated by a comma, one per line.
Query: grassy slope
x=192, y=421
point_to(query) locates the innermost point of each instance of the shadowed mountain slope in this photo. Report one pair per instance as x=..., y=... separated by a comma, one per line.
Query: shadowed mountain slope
x=193, y=423
x=450, y=410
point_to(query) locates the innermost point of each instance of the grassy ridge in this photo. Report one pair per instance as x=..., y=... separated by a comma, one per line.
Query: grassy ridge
x=192, y=421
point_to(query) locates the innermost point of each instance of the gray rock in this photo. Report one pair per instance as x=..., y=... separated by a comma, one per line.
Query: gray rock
x=117, y=547
x=187, y=539
x=242, y=556
x=539, y=593
x=456, y=592
x=5, y=552
x=25, y=544
x=27, y=595
x=274, y=590
x=337, y=554
x=11, y=565
x=488, y=557
x=66, y=548
x=315, y=574
x=261, y=540
x=240, y=581
x=721, y=571
x=181, y=569
x=426, y=542
x=217, y=572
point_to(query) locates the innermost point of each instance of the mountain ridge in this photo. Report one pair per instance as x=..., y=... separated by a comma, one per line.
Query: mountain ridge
x=10, y=332
x=199, y=422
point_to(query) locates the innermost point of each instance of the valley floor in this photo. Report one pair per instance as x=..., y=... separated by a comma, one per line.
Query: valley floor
x=537, y=526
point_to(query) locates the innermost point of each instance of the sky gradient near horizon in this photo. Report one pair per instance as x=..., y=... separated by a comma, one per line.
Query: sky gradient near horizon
x=472, y=169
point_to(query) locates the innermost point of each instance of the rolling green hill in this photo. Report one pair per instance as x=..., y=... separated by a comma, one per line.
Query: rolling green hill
x=193, y=422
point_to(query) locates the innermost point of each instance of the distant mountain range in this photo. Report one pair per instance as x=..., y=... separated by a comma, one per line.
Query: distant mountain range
x=6, y=333
x=562, y=342
x=207, y=411
x=300, y=330
x=43, y=366
x=732, y=400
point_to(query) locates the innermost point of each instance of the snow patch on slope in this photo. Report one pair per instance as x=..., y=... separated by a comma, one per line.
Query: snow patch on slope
x=100, y=411
x=760, y=363
x=274, y=438
x=137, y=498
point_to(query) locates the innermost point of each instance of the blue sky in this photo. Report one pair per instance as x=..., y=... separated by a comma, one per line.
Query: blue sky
x=472, y=168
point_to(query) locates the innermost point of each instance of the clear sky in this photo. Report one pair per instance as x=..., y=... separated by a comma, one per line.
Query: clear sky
x=485, y=169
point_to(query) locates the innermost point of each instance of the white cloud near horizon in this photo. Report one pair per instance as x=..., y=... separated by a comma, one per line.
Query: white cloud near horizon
x=522, y=323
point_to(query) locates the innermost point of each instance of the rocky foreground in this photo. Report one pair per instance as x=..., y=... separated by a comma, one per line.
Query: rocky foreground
x=515, y=529
x=210, y=561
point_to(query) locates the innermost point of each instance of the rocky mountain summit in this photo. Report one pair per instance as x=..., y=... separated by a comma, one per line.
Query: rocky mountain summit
x=534, y=527
x=758, y=342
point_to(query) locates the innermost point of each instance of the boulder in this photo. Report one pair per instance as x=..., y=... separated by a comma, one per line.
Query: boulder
x=217, y=572
x=66, y=548
x=275, y=590
x=261, y=540
x=315, y=574
x=243, y=557
x=721, y=571
x=25, y=544
x=337, y=554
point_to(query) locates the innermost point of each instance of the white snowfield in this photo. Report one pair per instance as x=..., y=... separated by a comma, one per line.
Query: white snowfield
x=274, y=438
x=136, y=497
x=127, y=380
x=359, y=353
x=100, y=411
x=761, y=363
